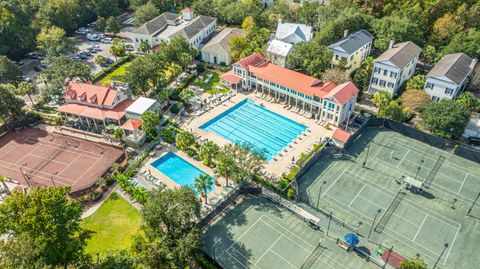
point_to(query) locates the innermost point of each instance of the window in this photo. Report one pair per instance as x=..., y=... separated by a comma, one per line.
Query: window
x=393, y=74
x=448, y=91
x=374, y=81
x=390, y=84
x=351, y=57
x=385, y=72
x=336, y=57
x=136, y=40
x=377, y=70
x=382, y=83
x=429, y=85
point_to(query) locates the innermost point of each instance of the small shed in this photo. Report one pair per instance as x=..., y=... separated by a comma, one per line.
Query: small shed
x=340, y=137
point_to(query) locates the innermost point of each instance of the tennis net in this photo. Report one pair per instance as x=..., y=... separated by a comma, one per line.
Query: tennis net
x=389, y=212
x=438, y=163
x=313, y=256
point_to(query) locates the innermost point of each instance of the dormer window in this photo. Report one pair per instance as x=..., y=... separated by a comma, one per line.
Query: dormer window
x=93, y=99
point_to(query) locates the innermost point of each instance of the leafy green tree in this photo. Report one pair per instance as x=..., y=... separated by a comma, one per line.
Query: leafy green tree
x=381, y=99
x=238, y=44
x=177, y=51
x=444, y=29
x=10, y=104
x=393, y=111
x=169, y=236
x=335, y=75
x=163, y=95
x=118, y=48
x=150, y=123
x=246, y=158
x=100, y=60
x=186, y=95
x=395, y=28
x=445, y=118
x=145, y=13
x=54, y=42
x=144, y=47
x=119, y=135
x=429, y=54
x=362, y=75
x=417, y=82
x=468, y=100
x=9, y=71
x=466, y=42
x=203, y=183
x=169, y=134
x=141, y=74
x=26, y=88
x=184, y=140
x=113, y=26
x=61, y=13
x=107, y=8
x=43, y=227
x=415, y=263
x=309, y=57
x=119, y=259
x=101, y=24
x=208, y=152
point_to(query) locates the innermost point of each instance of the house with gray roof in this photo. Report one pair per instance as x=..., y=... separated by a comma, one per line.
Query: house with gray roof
x=170, y=25
x=449, y=76
x=352, y=49
x=217, y=50
x=394, y=67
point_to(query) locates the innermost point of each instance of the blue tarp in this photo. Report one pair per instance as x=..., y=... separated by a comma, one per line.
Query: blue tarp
x=351, y=239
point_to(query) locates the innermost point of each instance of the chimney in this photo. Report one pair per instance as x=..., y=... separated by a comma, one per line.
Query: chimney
x=187, y=14
x=392, y=42
x=473, y=63
x=345, y=33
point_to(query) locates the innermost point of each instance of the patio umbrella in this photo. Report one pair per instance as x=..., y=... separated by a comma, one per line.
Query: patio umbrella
x=351, y=239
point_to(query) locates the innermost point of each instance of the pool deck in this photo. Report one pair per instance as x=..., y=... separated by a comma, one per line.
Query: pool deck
x=282, y=163
x=172, y=184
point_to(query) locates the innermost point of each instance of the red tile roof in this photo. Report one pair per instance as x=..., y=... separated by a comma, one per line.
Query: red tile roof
x=97, y=113
x=131, y=124
x=341, y=135
x=231, y=77
x=252, y=60
x=291, y=79
x=90, y=94
x=344, y=92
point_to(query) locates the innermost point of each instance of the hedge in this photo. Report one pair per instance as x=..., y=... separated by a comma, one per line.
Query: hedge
x=109, y=69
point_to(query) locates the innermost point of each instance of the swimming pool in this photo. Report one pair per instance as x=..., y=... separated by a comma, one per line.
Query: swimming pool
x=177, y=169
x=251, y=123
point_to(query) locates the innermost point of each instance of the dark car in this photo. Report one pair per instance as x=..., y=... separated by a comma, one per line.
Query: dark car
x=38, y=68
x=473, y=140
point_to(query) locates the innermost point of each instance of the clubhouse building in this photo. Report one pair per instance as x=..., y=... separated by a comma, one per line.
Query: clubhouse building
x=309, y=96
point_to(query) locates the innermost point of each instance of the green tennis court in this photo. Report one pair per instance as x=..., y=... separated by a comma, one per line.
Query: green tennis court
x=414, y=224
x=258, y=234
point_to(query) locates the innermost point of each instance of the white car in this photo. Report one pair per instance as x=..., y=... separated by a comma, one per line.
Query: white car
x=106, y=40
x=93, y=37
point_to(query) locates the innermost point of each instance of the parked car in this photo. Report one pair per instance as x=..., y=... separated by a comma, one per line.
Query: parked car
x=93, y=37
x=473, y=140
x=92, y=24
x=81, y=31
x=76, y=58
x=34, y=55
x=106, y=40
x=26, y=79
x=38, y=68
x=110, y=61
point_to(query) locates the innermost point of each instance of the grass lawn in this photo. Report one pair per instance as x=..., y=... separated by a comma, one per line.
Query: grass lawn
x=114, y=224
x=116, y=75
x=211, y=86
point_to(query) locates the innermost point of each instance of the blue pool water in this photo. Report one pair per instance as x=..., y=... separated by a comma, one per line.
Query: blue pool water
x=251, y=123
x=177, y=169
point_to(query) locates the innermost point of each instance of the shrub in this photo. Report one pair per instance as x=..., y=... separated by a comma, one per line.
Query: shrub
x=169, y=134
x=176, y=108
x=185, y=140
x=291, y=193
x=192, y=152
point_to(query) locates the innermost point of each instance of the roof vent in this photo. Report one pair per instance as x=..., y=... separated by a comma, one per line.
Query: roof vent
x=392, y=42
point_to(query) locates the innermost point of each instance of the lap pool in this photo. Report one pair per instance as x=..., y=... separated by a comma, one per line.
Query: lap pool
x=251, y=123
x=177, y=169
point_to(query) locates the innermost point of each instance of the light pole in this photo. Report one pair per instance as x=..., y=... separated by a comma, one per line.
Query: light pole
x=51, y=178
x=419, y=168
x=24, y=175
x=365, y=161
x=329, y=221
x=320, y=192
x=473, y=204
x=373, y=223
x=445, y=246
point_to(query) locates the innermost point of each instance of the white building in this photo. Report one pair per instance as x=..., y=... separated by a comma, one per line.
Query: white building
x=304, y=94
x=286, y=36
x=169, y=25
x=352, y=48
x=449, y=76
x=217, y=50
x=394, y=67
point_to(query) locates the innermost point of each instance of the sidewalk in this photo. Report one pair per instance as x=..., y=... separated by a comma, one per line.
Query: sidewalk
x=95, y=206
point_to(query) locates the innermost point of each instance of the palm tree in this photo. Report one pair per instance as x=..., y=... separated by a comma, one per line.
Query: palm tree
x=225, y=167
x=203, y=183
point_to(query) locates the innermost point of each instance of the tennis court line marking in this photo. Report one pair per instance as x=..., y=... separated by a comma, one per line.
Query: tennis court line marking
x=8, y=165
x=333, y=183
x=398, y=165
x=243, y=265
x=246, y=231
x=307, y=243
x=57, y=145
x=358, y=193
x=268, y=249
x=278, y=255
x=451, y=245
x=461, y=186
x=43, y=158
x=408, y=202
x=383, y=145
x=89, y=168
x=420, y=227
x=12, y=147
x=40, y=177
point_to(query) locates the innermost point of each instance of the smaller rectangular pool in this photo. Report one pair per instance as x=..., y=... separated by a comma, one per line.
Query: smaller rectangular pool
x=177, y=169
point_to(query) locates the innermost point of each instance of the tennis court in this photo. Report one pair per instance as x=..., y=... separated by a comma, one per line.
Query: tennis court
x=258, y=234
x=371, y=197
x=35, y=157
